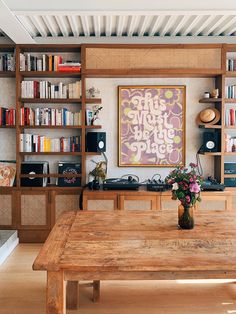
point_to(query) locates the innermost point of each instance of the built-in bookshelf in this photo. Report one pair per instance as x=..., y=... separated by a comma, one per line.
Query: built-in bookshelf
x=47, y=88
x=51, y=98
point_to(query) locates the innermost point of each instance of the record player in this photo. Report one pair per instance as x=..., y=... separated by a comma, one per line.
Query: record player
x=121, y=184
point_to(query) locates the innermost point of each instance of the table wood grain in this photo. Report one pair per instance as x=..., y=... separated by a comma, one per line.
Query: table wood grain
x=137, y=245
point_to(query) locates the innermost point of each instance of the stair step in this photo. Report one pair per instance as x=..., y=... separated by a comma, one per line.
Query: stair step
x=8, y=241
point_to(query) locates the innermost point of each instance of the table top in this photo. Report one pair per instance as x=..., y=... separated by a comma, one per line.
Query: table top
x=139, y=241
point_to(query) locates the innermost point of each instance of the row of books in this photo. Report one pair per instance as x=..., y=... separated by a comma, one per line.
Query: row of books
x=7, y=62
x=230, y=91
x=230, y=143
x=29, y=62
x=49, y=117
x=231, y=65
x=45, y=89
x=7, y=116
x=39, y=143
x=230, y=117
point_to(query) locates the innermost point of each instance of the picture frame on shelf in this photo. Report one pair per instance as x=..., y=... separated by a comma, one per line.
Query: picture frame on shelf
x=89, y=116
x=151, y=124
x=7, y=173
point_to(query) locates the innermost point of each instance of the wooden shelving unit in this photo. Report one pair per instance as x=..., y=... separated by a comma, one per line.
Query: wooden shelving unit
x=210, y=100
x=50, y=74
x=49, y=100
x=52, y=196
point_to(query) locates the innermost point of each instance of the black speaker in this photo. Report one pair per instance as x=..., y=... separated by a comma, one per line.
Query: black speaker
x=96, y=142
x=211, y=142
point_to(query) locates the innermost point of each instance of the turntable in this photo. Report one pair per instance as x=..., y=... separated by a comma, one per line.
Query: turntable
x=121, y=184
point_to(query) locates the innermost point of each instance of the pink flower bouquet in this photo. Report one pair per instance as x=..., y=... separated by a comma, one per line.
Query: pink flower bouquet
x=186, y=185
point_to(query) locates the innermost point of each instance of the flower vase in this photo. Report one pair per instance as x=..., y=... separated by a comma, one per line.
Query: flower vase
x=185, y=217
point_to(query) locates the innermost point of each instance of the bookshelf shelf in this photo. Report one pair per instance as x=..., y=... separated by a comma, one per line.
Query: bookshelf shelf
x=93, y=100
x=230, y=100
x=230, y=74
x=211, y=153
x=50, y=127
x=93, y=126
x=209, y=126
x=51, y=153
x=92, y=153
x=7, y=73
x=49, y=74
x=50, y=100
x=7, y=126
x=210, y=100
x=51, y=175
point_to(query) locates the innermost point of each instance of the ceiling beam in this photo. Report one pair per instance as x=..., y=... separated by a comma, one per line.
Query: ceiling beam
x=97, y=25
x=190, y=26
x=120, y=25
x=85, y=25
x=12, y=27
x=108, y=25
x=74, y=25
x=48, y=20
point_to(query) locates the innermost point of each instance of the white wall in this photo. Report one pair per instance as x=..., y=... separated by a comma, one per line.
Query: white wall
x=195, y=87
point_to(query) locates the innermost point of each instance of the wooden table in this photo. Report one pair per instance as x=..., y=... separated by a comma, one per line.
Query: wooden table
x=134, y=245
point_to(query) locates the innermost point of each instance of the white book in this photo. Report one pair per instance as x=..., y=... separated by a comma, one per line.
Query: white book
x=39, y=65
x=44, y=62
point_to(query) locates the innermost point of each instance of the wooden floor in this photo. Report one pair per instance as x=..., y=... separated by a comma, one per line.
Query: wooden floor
x=22, y=291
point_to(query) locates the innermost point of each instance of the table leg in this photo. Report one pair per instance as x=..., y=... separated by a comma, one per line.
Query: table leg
x=72, y=295
x=96, y=290
x=55, y=293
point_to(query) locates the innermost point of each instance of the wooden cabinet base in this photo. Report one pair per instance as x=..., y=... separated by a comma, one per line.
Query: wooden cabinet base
x=33, y=236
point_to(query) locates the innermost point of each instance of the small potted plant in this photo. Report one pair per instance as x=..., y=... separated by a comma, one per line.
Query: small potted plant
x=186, y=187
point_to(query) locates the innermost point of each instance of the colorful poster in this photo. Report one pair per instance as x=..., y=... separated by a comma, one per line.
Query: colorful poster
x=151, y=126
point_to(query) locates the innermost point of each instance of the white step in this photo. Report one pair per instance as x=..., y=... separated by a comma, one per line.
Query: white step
x=8, y=241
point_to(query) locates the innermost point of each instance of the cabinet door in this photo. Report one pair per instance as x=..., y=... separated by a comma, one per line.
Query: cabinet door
x=138, y=202
x=34, y=210
x=64, y=201
x=6, y=210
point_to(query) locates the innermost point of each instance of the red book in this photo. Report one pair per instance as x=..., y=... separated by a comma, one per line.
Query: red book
x=232, y=116
x=69, y=69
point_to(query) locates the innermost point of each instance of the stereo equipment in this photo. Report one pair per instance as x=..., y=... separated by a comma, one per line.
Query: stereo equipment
x=96, y=142
x=212, y=185
x=210, y=142
x=157, y=185
x=34, y=167
x=68, y=167
x=230, y=168
x=121, y=184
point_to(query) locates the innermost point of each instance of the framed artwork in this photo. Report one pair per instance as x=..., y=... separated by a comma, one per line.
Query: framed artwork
x=151, y=126
x=7, y=173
